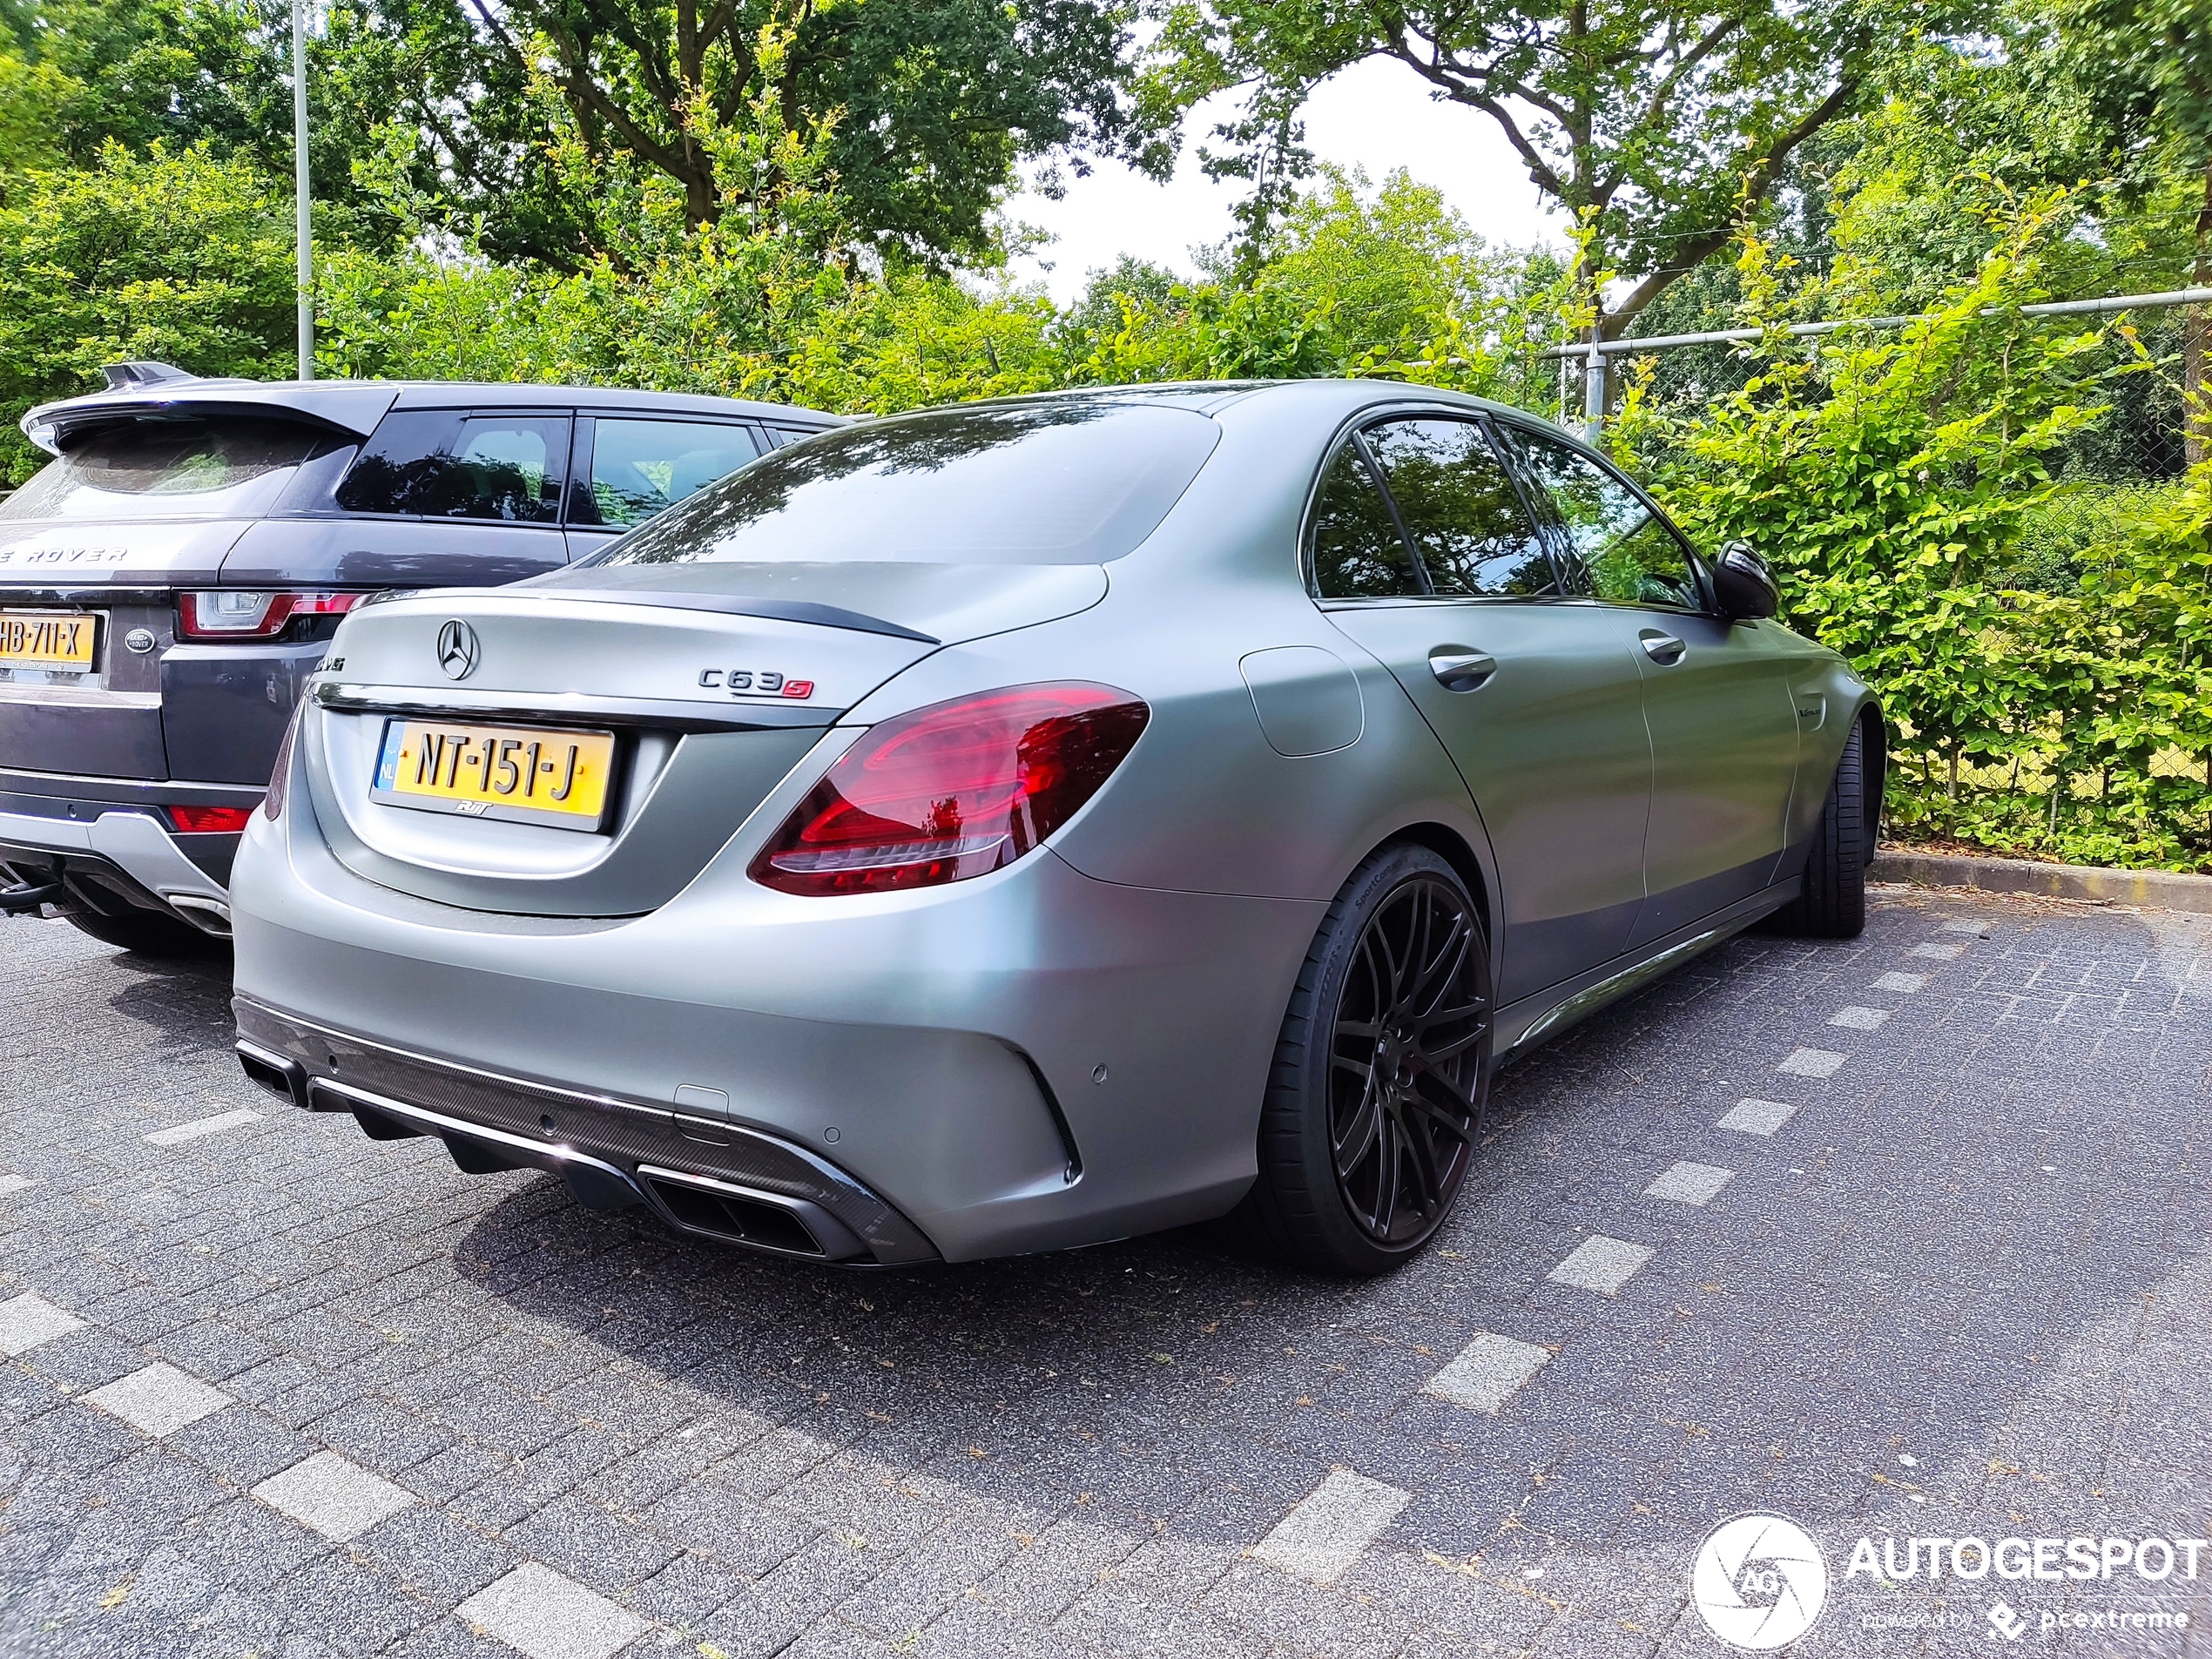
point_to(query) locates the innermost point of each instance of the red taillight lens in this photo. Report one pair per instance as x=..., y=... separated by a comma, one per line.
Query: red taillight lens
x=955, y=790
x=210, y=820
x=248, y=613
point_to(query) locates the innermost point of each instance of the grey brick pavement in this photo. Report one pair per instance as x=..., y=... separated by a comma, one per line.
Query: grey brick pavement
x=1963, y=1286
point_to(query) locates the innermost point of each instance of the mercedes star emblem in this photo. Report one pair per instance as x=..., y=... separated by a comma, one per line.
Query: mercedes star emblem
x=457, y=649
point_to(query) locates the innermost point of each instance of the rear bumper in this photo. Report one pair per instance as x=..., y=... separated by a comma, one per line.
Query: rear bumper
x=1031, y=1061
x=700, y=1175
x=106, y=843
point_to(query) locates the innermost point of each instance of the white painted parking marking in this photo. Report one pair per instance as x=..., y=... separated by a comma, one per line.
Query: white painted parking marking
x=1758, y=1116
x=1601, y=1264
x=1858, y=1019
x=1961, y=926
x=1691, y=1183
x=1324, y=1536
x=159, y=1400
x=333, y=1495
x=178, y=1134
x=10, y=1183
x=29, y=1319
x=1813, y=1062
x=1900, y=982
x=1937, y=953
x=536, y=1611
x=1489, y=1372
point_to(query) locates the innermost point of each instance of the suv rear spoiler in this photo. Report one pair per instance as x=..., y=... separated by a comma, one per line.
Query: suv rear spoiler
x=349, y=407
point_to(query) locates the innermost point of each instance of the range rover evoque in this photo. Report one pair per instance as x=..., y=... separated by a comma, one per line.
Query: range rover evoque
x=169, y=581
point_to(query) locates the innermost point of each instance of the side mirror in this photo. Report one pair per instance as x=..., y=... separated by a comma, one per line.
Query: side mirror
x=1743, y=585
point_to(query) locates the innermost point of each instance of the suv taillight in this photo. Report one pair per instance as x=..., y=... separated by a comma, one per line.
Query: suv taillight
x=250, y=613
x=953, y=791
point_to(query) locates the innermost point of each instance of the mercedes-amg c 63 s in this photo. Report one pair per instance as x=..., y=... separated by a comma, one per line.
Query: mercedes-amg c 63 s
x=1013, y=826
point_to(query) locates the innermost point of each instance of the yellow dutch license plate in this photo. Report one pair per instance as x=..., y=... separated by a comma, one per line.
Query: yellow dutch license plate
x=524, y=774
x=45, y=639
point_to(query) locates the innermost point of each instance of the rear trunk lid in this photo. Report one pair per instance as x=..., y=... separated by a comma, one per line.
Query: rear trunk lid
x=706, y=685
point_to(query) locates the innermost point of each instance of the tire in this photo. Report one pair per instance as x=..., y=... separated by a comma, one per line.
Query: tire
x=1359, y=1162
x=1832, y=903
x=149, y=935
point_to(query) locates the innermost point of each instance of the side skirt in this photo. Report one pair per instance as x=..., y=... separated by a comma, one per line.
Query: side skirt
x=1534, y=1019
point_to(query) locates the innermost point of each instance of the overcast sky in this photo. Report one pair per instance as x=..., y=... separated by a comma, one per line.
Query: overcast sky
x=1376, y=115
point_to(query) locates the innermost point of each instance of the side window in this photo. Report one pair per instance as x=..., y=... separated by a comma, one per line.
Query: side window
x=1627, y=554
x=1461, y=510
x=1357, y=553
x=400, y=464
x=432, y=463
x=780, y=436
x=641, y=468
x=507, y=466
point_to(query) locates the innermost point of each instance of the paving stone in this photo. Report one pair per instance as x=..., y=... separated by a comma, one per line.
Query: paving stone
x=158, y=1399
x=1758, y=1116
x=537, y=1612
x=178, y=1134
x=1601, y=1264
x=1696, y=1185
x=1325, y=1533
x=1488, y=1371
x=333, y=1495
x=30, y=1320
x=1812, y=1063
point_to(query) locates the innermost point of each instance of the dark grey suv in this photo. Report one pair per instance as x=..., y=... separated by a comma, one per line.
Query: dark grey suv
x=169, y=581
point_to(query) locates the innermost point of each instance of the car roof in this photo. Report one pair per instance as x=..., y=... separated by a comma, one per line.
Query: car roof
x=356, y=407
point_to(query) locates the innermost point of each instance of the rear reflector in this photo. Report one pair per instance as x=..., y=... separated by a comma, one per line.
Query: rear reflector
x=210, y=820
x=249, y=613
x=953, y=791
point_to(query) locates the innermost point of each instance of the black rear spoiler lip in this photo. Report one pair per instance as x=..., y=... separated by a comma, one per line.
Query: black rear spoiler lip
x=55, y=427
x=800, y=610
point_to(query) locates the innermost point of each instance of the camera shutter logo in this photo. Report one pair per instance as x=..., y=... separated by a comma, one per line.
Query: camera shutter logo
x=457, y=649
x=1759, y=1581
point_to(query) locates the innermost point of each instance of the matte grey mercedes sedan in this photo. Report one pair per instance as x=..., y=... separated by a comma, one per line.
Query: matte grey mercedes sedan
x=1015, y=826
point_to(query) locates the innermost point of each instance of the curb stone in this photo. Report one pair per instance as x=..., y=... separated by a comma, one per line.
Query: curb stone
x=2149, y=889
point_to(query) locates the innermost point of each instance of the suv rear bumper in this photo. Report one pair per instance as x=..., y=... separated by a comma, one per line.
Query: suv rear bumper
x=104, y=843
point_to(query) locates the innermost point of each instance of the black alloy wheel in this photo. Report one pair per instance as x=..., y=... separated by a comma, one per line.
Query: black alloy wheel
x=1375, y=1104
x=1404, y=1062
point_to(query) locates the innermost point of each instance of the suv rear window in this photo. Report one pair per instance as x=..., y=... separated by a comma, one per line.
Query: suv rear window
x=170, y=467
x=1027, y=484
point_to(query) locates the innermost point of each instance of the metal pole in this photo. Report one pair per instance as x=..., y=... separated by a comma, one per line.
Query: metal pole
x=301, y=197
x=1594, y=394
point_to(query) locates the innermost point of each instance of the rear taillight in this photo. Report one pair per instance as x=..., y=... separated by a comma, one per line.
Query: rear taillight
x=955, y=790
x=252, y=613
x=210, y=820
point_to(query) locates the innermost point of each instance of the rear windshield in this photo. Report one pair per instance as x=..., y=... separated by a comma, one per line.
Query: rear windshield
x=1027, y=484
x=170, y=467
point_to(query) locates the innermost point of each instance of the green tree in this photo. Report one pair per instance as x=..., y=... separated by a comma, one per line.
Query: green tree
x=1654, y=123
x=928, y=105
x=186, y=257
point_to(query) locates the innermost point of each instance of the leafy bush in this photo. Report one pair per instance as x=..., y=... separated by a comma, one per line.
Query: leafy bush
x=2040, y=649
x=181, y=257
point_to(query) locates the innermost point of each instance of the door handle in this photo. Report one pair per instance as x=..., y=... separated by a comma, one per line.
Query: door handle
x=1664, y=649
x=1458, y=668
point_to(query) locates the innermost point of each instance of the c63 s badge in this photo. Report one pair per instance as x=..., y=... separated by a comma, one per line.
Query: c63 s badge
x=755, y=681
